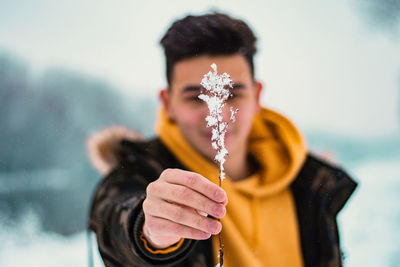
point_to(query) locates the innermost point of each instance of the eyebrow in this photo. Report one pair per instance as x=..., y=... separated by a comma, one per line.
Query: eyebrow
x=192, y=88
x=198, y=88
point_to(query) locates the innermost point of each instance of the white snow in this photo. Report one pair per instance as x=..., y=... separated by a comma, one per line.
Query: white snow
x=25, y=244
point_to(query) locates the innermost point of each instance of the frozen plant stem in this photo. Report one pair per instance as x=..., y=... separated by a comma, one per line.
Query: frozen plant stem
x=215, y=94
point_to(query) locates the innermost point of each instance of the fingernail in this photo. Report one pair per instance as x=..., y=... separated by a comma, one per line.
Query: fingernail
x=219, y=196
x=219, y=227
x=214, y=227
x=219, y=211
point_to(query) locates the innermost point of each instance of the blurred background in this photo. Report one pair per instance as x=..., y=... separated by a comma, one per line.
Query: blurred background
x=70, y=68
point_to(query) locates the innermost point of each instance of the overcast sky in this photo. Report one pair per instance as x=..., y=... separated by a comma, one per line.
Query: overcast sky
x=321, y=64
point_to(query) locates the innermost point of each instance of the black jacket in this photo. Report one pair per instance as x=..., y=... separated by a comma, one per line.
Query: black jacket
x=116, y=216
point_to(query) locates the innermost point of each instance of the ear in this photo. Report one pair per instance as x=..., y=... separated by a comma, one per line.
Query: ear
x=258, y=87
x=165, y=97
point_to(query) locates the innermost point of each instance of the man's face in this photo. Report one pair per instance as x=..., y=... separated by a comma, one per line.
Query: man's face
x=189, y=112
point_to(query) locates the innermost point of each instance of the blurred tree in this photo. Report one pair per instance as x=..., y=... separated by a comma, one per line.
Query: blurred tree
x=13, y=95
x=44, y=123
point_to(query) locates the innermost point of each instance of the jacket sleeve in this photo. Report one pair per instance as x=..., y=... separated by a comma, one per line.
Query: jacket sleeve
x=116, y=216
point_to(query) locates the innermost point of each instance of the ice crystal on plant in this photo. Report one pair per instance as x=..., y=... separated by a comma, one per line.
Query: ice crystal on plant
x=215, y=95
x=233, y=113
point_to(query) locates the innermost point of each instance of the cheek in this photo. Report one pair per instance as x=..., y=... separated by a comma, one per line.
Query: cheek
x=244, y=121
x=244, y=116
x=190, y=118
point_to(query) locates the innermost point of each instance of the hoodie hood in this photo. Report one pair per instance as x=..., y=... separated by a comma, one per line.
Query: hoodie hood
x=279, y=148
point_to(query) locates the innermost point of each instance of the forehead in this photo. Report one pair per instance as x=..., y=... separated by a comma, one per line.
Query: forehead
x=191, y=71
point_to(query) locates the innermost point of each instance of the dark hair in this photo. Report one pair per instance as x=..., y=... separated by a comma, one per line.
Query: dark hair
x=212, y=34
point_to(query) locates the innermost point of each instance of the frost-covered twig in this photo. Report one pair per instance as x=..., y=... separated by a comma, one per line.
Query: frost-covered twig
x=215, y=94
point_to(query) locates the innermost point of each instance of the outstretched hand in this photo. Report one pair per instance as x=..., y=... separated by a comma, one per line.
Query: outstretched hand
x=176, y=205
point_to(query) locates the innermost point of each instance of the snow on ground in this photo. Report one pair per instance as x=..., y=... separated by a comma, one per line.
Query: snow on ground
x=25, y=245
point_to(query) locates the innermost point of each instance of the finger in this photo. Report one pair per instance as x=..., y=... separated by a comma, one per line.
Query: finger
x=185, y=196
x=162, y=227
x=186, y=216
x=196, y=182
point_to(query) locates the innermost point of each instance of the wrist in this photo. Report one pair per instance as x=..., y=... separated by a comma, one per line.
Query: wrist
x=161, y=243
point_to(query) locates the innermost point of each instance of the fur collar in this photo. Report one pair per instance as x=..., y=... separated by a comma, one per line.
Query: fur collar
x=105, y=146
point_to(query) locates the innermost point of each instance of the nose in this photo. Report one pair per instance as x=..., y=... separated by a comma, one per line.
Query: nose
x=226, y=112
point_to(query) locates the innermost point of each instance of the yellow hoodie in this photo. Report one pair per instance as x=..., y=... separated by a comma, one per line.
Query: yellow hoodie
x=260, y=227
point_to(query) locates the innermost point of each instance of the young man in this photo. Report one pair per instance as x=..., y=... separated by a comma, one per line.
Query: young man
x=159, y=203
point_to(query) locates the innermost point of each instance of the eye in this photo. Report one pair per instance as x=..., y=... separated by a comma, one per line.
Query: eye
x=193, y=98
x=196, y=98
x=235, y=95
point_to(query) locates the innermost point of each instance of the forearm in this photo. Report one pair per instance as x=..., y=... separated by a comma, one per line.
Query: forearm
x=112, y=216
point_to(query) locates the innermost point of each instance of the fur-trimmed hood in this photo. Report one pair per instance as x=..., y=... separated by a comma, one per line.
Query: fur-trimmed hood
x=105, y=146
